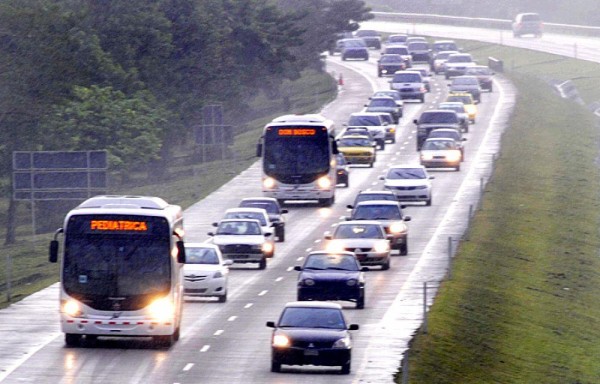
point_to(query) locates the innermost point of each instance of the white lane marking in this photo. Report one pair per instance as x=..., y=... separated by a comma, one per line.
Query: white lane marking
x=308, y=249
x=301, y=257
x=188, y=366
x=205, y=348
x=289, y=269
x=318, y=241
x=219, y=332
x=279, y=279
x=248, y=305
x=375, y=183
x=232, y=318
x=262, y=293
x=405, y=143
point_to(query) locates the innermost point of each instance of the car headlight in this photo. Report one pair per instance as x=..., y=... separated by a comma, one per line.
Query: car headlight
x=308, y=282
x=324, y=182
x=397, y=227
x=343, y=343
x=162, y=309
x=281, y=341
x=453, y=156
x=334, y=247
x=269, y=183
x=381, y=246
x=72, y=308
x=351, y=282
x=267, y=247
x=421, y=187
x=426, y=156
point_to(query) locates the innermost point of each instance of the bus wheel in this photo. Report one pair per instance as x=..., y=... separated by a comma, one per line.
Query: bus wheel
x=328, y=202
x=165, y=341
x=72, y=339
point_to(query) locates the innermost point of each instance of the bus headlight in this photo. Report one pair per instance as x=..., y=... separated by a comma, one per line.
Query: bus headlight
x=72, y=308
x=324, y=182
x=281, y=341
x=162, y=309
x=269, y=183
x=397, y=227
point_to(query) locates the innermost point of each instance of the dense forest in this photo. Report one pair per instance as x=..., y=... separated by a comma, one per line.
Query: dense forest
x=131, y=76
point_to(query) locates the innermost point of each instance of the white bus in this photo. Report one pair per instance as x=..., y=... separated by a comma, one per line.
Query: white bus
x=121, y=270
x=298, y=159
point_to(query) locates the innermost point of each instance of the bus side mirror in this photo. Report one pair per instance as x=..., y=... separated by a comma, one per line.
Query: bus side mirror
x=334, y=147
x=259, y=150
x=180, y=252
x=53, y=256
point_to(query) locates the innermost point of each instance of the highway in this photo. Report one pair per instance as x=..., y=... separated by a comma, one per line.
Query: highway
x=229, y=342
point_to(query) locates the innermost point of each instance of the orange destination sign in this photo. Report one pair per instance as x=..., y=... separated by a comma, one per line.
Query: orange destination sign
x=297, y=132
x=118, y=225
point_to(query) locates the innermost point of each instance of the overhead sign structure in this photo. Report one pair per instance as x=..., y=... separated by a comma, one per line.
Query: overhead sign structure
x=213, y=133
x=50, y=175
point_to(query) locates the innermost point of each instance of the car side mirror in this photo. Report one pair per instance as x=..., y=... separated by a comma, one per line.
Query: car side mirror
x=415, y=121
x=215, y=224
x=267, y=234
x=407, y=218
x=284, y=211
x=353, y=327
x=464, y=139
x=210, y=233
x=328, y=236
x=381, y=177
x=364, y=269
x=227, y=262
x=350, y=206
x=403, y=206
x=431, y=177
x=271, y=324
x=297, y=268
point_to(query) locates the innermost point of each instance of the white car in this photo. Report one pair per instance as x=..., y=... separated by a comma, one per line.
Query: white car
x=367, y=239
x=243, y=241
x=409, y=183
x=259, y=214
x=205, y=272
x=441, y=153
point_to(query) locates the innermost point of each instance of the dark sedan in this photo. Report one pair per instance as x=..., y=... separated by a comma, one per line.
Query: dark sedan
x=384, y=104
x=390, y=63
x=311, y=333
x=332, y=276
x=483, y=74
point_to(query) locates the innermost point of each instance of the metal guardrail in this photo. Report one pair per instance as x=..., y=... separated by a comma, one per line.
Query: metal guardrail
x=481, y=22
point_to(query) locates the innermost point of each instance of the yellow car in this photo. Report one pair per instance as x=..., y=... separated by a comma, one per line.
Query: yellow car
x=467, y=100
x=357, y=149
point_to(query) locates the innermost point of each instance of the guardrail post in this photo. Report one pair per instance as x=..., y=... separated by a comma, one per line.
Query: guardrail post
x=449, y=257
x=405, y=367
x=425, y=330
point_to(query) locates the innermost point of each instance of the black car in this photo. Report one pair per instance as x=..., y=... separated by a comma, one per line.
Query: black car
x=385, y=104
x=311, y=333
x=435, y=119
x=274, y=211
x=419, y=51
x=372, y=195
x=354, y=49
x=371, y=38
x=342, y=170
x=388, y=64
x=332, y=276
x=484, y=75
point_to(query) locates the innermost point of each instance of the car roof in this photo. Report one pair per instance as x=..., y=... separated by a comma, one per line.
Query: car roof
x=376, y=192
x=201, y=245
x=313, y=304
x=440, y=139
x=379, y=202
x=246, y=209
x=238, y=220
x=437, y=111
x=359, y=222
x=355, y=136
x=382, y=97
x=365, y=114
x=398, y=166
x=323, y=252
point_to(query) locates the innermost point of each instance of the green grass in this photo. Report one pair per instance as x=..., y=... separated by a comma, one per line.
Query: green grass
x=523, y=305
x=28, y=259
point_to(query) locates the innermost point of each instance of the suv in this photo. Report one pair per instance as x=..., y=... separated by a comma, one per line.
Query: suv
x=274, y=211
x=396, y=49
x=389, y=215
x=527, y=24
x=448, y=133
x=373, y=121
x=388, y=64
x=410, y=85
x=384, y=104
x=467, y=84
x=420, y=51
x=435, y=119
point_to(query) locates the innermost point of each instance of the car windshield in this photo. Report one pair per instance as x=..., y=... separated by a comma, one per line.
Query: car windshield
x=438, y=117
x=391, y=59
x=304, y=317
x=393, y=94
x=199, y=255
x=354, y=142
x=438, y=145
x=459, y=59
x=460, y=108
x=366, y=32
x=377, y=212
x=464, y=81
x=331, y=261
x=364, y=120
x=442, y=55
x=418, y=46
x=247, y=215
x=407, y=78
x=383, y=102
x=397, y=39
x=238, y=228
x=358, y=231
x=466, y=99
x=453, y=134
x=374, y=196
x=478, y=71
x=269, y=207
x=406, y=173
x=354, y=43
x=397, y=50
x=445, y=46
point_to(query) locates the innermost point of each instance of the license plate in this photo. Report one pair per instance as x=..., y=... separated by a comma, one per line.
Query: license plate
x=311, y=352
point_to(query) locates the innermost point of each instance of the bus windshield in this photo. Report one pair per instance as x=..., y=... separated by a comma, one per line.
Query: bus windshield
x=296, y=155
x=99, y=267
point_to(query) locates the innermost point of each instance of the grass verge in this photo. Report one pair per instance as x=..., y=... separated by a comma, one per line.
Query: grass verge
x=26, y=262
x=524, y=301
